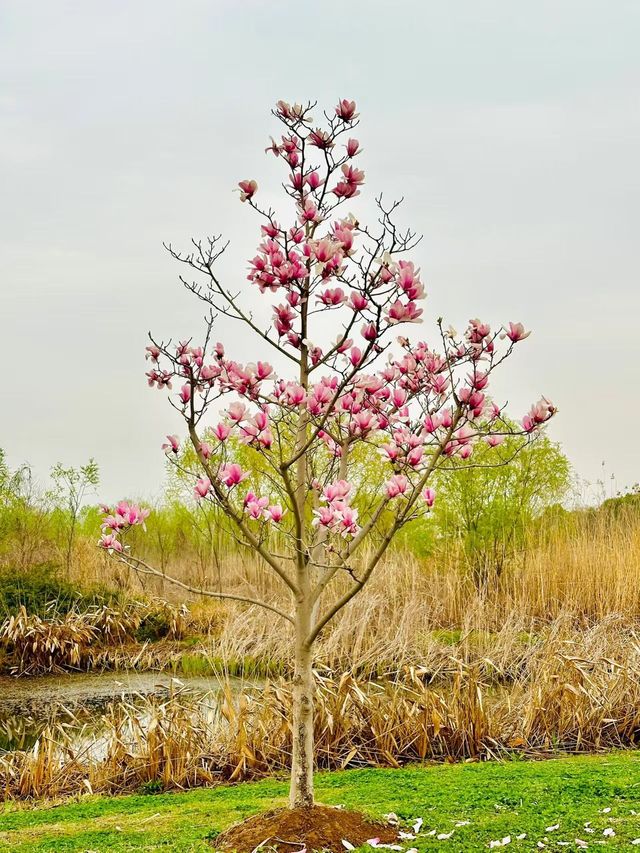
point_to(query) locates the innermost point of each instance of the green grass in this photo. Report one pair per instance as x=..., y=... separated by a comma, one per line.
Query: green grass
x=497, y=799
x=202, y=663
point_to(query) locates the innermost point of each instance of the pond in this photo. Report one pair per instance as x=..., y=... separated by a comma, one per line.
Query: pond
x=76, y=701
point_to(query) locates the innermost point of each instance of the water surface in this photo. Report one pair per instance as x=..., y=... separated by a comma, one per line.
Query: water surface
x=28, y=704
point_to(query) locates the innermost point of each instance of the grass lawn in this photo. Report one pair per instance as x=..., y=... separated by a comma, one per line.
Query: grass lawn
x=497, y=799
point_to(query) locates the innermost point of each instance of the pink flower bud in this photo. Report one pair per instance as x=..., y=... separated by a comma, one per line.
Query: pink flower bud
x=353, y=146
x=429, y=496
x=355, y=356
x=369, y=332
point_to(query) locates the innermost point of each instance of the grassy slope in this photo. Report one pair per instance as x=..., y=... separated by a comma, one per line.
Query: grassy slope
x=497, y=799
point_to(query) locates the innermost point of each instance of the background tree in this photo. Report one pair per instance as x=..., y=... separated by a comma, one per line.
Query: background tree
x=489, y=507
x=344, y=295
x=71, y=486
x=25, y=523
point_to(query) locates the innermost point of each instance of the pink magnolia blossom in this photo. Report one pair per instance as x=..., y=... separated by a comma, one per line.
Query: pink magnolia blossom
x=159, y=378
x=409, y=280
x=202, y=487
x=478, y=380
x=232, y=474
x=172, y=444
x=206, y=450
x=494, y=440
x=478, y=331
x=237, y=412
x=353, y=146
x=133, y=514
x=309, y=212
x=516, y=332
x=358, y=301
x=401, y=313
x=254, y=506
x=325, y=516
x=312, y=179
x=333, y=296
x=337, y=491
x=348, y=519
x=391, y=451
x=346, y=110
x=295, y=394
x=414, y=456
x=275, y=513
x=432, y=423
x=320, y=139
x=429, y=496
x=265, y=438
x=397, y=485
x=113, y=522
x=538, y=414
x=222, y=431
x=355, y=356
x=446, y=418
x=110, y=542
x=338, y=517
x=247, y=190
x=369, y=332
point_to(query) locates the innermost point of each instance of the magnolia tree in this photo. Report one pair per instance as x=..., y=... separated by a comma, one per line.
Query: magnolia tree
x=344, y=294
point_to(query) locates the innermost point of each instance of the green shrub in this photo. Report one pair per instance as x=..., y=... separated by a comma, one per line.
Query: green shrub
x=157, y=624
x=41, y=591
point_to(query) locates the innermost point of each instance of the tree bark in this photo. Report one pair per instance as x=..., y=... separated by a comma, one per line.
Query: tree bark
x=301, y=791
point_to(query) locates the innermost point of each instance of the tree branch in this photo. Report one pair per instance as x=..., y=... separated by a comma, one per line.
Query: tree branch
x=149, y=570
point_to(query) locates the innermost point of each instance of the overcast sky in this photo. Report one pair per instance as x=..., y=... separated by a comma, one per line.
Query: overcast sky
x=511, y=128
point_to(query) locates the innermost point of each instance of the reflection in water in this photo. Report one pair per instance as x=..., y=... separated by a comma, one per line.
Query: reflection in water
x=75, y=703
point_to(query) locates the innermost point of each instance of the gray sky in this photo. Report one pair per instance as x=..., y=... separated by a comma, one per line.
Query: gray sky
x=511, y=128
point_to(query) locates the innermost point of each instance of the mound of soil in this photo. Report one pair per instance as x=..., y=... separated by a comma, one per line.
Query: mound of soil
x=317, y=828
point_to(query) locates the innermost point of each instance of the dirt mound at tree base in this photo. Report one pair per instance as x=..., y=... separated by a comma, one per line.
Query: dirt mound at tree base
x=317, y=828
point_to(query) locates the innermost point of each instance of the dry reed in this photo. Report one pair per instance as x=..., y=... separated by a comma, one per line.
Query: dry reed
x=576, y=691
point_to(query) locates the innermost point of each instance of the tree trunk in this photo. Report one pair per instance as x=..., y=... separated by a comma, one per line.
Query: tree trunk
x=301, y=793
